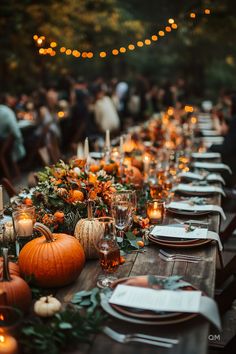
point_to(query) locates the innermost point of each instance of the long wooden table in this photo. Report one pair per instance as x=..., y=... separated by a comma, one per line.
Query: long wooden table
x=193, y=334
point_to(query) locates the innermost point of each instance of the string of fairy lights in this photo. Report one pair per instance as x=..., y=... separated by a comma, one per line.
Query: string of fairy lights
x=53, y=48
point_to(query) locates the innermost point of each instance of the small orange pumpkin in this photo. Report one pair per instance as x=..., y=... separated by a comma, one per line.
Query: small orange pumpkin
x=17, y=291
x=54, y=260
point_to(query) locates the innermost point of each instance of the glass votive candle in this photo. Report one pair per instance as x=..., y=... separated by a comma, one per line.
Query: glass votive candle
x=24, y=219
x=156, y=211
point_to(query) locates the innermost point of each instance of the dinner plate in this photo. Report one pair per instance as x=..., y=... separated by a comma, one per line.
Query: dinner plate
x=179, y=244
x=139, y=313
x=188, y=212
x=143, y=316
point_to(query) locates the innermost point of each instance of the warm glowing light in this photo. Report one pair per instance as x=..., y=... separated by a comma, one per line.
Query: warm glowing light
x=89, y=55
x=61, y=114
x=39, y=41
x=41, y=51
x=76, y=53
x=42, y=37
x=161, y=33
x=2, y=339
x=193, y=120
x=193, y=15
x=147, y=41
x=49, y=50
x=131, y=47
x=103, y=54
x=53, y=44
x=188, y=109
x=168, y=29
x=122, y=49
x=62, y=49
x=2, y=318
x=174, y=26
x=84, y=55
x=207, y=11
x=154, y=38
x=53, y=53
x=115, y=52
x=171, y=21
x=35, y=37
x=68, y=51
x=140, y=44
x=170, y=111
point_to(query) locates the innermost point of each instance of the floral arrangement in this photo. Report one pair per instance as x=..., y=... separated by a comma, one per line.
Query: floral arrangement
x=63, y=190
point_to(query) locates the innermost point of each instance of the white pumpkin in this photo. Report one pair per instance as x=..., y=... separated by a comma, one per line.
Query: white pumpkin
x=88, y=232
x=47, y=306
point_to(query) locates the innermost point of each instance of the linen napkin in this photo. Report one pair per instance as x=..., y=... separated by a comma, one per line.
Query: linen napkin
x=196, y=176
x=206, y=155
x=212, y=166
x=184, y=301
x=196, y=207
x=213, y=139
x=207, y=125
x=180, y=232
x=182, y=187
x=208, y=132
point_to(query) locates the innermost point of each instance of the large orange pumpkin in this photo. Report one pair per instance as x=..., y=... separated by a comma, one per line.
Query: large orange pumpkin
x=53, y=260
x=17, y=291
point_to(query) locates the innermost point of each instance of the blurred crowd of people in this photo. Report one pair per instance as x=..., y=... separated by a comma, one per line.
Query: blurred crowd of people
x=63, y=114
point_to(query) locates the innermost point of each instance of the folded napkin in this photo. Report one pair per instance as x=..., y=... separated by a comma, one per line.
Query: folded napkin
x=208, y=132
x=212, y=166
x=206, y=155
x=213, y=139
x=184, y=301
x=196, y=207
x=180, y=232
x=203, y=126
x=198, y=189
x=196, y=176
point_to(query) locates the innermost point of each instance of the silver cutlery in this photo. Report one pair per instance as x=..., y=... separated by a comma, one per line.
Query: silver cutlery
x=178, y=257
x=139, y=337
x=193, y=222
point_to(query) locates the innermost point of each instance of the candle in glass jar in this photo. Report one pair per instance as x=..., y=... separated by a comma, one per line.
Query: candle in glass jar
x=8, y=344
x=155, y=211
x=24, y=227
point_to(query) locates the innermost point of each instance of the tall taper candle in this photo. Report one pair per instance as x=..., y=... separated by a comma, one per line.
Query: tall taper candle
x=86, y=148
x=80, y=151
x=108, y=143
x=121, y=145
x=1, y=201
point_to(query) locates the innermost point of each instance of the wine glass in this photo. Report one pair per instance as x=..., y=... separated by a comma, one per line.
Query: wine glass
x=122, y=212
x=109, y=252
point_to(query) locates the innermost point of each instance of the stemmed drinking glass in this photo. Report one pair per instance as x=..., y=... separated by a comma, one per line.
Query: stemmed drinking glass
x=109, y=252
x=122, y=213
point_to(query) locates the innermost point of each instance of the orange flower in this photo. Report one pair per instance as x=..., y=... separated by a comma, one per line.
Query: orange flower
x=122, y=260
x=59, y=216
x=92, y=195
x=94, y=168
x=92, y=178
x=75, y=196
x=28, y=201
x=59, y=181
x=79, y=163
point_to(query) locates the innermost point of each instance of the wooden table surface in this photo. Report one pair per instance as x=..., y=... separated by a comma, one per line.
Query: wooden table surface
x=193, y=334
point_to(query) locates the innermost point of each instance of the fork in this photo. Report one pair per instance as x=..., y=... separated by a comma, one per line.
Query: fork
x=139, y=337
x=178, y=257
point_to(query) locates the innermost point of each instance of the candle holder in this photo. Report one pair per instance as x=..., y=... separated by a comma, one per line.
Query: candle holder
x=156, y=211
x=23, y=221
x=10, y=320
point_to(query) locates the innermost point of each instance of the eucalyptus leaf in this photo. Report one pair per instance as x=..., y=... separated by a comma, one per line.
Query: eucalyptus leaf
x=65, y=325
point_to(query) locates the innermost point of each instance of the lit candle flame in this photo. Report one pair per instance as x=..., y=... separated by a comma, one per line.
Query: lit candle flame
x=1, y=317
x=2, y=339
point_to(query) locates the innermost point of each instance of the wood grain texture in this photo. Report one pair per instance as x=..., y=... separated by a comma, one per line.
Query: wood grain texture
x=193, y=334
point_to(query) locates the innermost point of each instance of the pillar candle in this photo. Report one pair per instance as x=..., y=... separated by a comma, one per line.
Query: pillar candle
x=24, y=227
x=8, y=344
x=86, y=148
x=108, y=143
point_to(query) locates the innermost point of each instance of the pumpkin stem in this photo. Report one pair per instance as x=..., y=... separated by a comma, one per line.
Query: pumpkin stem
x=45, y=231
x=90, y=209
x=5, y=273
